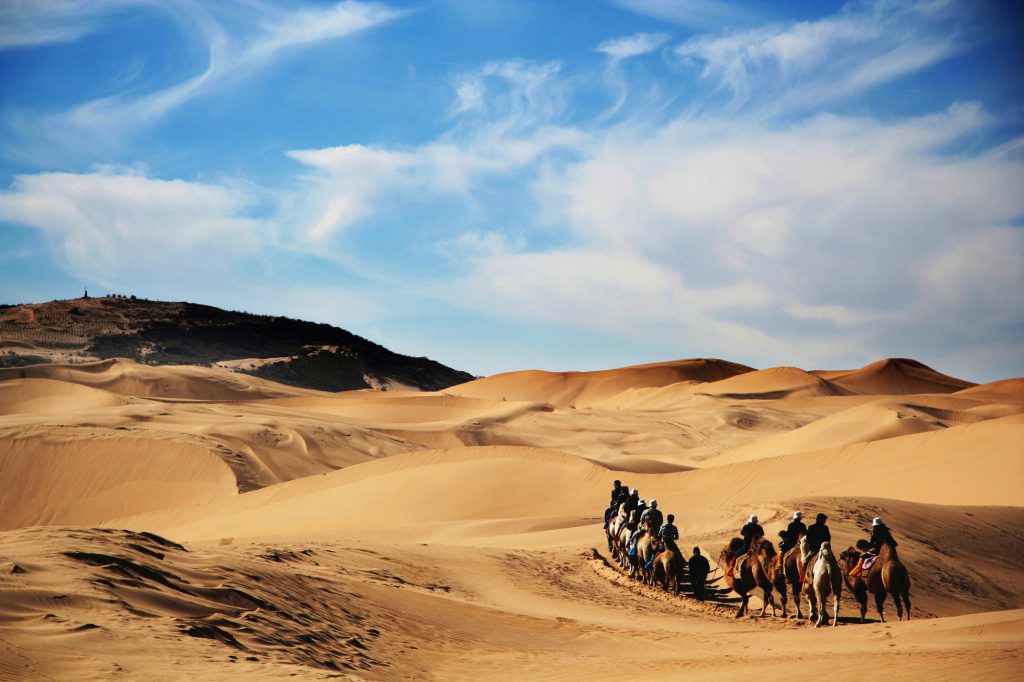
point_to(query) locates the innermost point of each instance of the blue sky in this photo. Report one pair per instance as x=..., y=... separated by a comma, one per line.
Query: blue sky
x=503, y=184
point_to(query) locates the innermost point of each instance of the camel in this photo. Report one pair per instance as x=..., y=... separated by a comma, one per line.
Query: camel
x=805, y=564
x=645, y=549
x=622, y=545
x=789, y=573
x=827, y=579
x=751, y=568
x=668, y=567
x=887, y=575
x=614, y=527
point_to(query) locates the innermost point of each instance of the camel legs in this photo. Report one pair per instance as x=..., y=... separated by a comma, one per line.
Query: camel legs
x=796, y=600
x=819, y=597
x=743, y=605
x=812, y=605
x=768, y=599
x=896, y=598
x=835, y=609
x=879, y=602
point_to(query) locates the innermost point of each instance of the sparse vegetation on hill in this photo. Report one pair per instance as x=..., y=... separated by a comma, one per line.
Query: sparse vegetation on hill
x=300, y=353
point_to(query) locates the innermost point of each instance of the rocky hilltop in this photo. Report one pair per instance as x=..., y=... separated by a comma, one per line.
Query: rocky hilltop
x=282, y=349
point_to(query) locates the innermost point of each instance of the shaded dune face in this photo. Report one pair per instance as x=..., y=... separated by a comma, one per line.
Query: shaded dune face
x=392, y=535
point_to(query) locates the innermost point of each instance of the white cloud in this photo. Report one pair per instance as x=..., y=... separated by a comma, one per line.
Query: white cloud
x=807, y=63
x=29, y=23
x=632, y=46
x=239, y=41
x=350, y=178
x=111, y=225
x=699, y=13
x=504, y=126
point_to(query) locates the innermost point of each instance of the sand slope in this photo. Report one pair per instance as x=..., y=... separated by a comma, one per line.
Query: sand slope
x=24, y=396
x=895, y=376
x=185, y=382
x=82, y=475
x=585, y=388
x=456, y=535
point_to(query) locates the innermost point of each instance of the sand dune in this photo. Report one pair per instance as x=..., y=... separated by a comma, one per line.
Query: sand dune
x=23, y=396
x=769, y=384
x=874, y=421
x=83, y=475
x=585, y=388
x=1007, y=390
x=397, y=535
x=895, y=376
x=185, y=382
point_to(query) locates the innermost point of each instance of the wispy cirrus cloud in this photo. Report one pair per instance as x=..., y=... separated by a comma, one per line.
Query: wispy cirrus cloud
x=803, y=64
x=696, y=13
x=504, y=119
x=239, y=39
x=29, y=23
x=632, y=46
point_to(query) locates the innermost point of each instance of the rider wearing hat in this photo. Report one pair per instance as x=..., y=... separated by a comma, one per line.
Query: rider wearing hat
x=651, y=515
x=880, y=535
x=793, y=531
x=751, y=530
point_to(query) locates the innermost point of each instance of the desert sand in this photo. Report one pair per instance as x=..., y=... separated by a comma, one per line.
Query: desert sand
x=179, y=522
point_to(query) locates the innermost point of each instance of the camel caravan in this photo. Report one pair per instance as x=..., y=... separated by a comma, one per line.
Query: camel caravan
x=644, y=543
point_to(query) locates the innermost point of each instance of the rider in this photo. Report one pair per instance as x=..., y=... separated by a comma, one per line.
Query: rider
x=751, y=530
x=818, y=533
x=632, y=501
x=634, y=516
x=613, y=505
x=652, y=515
x=880, y=535
x=616, y=490
x=793, y=531
x=668, y=533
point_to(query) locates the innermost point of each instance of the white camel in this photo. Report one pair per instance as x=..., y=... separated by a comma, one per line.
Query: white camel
x=827, y=579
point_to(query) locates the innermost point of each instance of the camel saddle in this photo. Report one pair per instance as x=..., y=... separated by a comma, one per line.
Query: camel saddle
x=737, y=566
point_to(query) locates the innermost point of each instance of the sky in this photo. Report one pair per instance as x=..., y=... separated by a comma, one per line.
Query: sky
x=513, y=184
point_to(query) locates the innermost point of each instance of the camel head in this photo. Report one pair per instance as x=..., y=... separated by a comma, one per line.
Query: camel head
x=805, y=552
x=826, y=552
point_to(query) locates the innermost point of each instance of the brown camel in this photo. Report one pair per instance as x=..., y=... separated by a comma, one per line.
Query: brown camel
x=749, y=572
x=886, y=576
x=789, y=574
x=645, y=549
x=668, y=567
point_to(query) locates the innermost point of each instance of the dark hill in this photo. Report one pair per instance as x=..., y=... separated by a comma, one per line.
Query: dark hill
x=282, y=349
